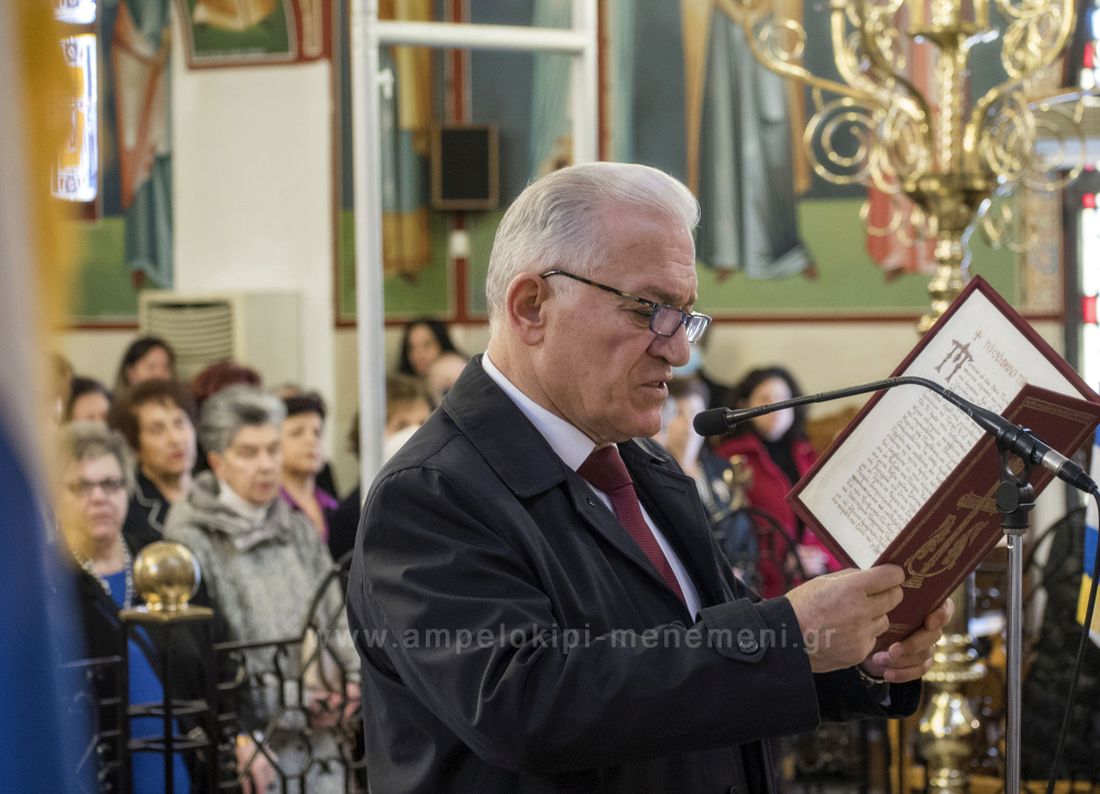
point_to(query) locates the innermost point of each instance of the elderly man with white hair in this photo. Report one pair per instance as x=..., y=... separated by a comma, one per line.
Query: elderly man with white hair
x=539, y=604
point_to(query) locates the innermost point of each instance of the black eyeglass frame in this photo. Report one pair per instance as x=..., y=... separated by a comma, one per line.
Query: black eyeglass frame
x=84, y=488
x=689, y=320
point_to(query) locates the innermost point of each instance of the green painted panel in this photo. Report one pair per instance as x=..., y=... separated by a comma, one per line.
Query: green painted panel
x=102, y=288
x=428, y=293
x=482, y=227
x=270, y=36
x=848, y=281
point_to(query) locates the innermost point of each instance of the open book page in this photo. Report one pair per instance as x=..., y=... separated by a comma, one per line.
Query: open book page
x=871, y=486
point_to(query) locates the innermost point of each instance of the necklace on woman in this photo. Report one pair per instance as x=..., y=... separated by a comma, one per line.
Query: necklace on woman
x=127, y=566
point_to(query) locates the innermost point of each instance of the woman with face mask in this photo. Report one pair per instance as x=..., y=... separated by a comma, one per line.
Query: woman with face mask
x=778, y=454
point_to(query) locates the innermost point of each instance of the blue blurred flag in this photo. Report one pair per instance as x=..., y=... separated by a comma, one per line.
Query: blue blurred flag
x=1091, y=524
x=39, y=744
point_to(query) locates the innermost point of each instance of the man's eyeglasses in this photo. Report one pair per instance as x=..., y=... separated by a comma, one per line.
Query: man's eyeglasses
x=84, y=488
x=664, y=320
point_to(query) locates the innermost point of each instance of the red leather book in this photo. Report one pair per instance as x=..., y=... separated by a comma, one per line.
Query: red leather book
x=912, y=480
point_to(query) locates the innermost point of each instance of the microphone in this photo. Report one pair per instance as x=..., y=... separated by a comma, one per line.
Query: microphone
x=1012, y=437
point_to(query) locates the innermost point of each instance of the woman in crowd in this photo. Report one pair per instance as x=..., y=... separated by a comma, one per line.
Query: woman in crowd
x=95, y=472
x=146, y=358
x=262, y=563
x=424, y=341
x=89, y=401
x=778, y=454
x=714, y=480
x=442, y=375
x=222, y=375
x=407, y=408
x=303, y=460
x=157, y=419
x=210, y=381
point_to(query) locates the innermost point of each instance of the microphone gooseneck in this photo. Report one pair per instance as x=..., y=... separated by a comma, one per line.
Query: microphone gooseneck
x=1014, y=438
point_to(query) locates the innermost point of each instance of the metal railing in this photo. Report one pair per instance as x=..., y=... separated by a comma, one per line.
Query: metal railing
x=284, y=709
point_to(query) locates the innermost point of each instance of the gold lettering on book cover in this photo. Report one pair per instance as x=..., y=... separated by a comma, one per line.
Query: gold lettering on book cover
x=1060, y=411
x=940, y=553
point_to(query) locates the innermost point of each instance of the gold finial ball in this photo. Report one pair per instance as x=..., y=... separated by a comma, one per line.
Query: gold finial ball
x=166, y=575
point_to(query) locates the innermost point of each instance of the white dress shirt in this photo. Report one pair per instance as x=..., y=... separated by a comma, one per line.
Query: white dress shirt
x=574, y=447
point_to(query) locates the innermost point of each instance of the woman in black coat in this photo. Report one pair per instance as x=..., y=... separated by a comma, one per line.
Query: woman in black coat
x=91, y=506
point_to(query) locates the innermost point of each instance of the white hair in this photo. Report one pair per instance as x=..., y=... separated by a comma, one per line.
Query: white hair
x=561, y=220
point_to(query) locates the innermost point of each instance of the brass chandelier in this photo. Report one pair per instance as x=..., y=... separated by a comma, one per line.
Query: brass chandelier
x=961, y=161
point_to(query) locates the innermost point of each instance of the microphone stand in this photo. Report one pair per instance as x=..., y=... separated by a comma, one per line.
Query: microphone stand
x=1015, y=499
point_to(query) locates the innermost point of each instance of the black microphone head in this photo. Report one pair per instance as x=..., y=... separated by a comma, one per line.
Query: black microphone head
x=712, y=422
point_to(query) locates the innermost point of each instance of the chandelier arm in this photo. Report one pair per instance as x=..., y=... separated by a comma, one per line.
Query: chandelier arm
x=1059, y=176
x=921, y=113
x=1049, y=102
x=892, y=226
x=885, y=182
x=1061, y=96
x=749, y=18
x=844, y=58
x=976, y=124
x=828, y=163
x=844, y=55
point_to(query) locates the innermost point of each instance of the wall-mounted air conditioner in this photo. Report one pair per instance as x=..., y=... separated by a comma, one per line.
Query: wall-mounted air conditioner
x=260, y=329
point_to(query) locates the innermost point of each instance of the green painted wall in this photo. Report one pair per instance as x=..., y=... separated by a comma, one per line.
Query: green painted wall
x=847, y=281
x=103, y=289
x=428, y=294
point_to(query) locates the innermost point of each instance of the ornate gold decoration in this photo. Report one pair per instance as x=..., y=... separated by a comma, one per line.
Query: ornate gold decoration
x=948, y=724
x=738, y=479
x=957, y=159
x=167, y=576
x=943, y=548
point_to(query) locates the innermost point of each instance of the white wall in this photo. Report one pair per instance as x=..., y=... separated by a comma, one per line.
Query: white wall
x=253, y=190
x=252, y=201
x=94, y=354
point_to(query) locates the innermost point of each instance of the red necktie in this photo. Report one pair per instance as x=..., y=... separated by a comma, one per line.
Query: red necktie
x=605, y=469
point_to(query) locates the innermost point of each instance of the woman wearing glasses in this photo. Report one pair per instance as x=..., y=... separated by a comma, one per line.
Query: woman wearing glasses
x=91, y=504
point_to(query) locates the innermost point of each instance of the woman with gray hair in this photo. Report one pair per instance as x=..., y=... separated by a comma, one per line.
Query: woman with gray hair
x=93, y=476
x=263, y=564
